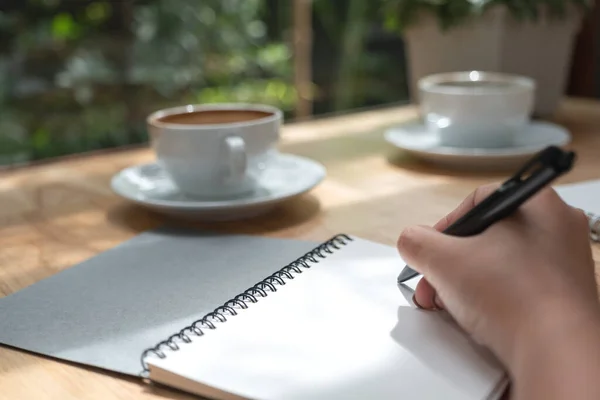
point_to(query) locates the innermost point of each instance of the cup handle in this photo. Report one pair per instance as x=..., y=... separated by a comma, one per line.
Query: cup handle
x=236, y=158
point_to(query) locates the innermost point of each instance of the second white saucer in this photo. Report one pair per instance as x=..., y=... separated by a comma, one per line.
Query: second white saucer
x=414, y=138
x=149, y=186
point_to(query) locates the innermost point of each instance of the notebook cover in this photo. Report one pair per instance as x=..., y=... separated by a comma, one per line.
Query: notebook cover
x=105, y=311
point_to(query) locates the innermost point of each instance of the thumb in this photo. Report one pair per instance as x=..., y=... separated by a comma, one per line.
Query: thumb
x=427, y=251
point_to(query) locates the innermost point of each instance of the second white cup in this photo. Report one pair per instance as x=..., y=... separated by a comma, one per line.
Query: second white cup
x=476, y=109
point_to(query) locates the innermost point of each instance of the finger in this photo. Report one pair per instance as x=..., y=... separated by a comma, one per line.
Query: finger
x=471, y=201
x=547, y=200
x=580, y=219
x=580, y=224
x=430, y=252
x=424, y=295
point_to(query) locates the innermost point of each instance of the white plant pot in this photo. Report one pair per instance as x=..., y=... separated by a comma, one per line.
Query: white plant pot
x=496, y=42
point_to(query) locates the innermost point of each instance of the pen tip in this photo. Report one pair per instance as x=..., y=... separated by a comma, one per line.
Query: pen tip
x=406, y=274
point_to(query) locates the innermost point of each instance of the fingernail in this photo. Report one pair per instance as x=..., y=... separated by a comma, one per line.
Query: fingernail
x=405, y=240
x=438, y=302
x=409, y=244
x=414, y=300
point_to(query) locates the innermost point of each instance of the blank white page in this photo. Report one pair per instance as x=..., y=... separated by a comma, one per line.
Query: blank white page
x=340, y=330
x=583, y=195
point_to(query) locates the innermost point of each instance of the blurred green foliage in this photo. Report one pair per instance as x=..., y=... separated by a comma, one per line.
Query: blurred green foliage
x=82, y=75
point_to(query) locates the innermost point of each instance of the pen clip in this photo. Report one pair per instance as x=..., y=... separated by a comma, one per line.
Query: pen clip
x=536, y=173
x=552, y=158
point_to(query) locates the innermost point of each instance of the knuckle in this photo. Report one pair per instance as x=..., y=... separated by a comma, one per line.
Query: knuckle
x=548, y=200
x=553, y=198
x=551, y=195
x=580, y=219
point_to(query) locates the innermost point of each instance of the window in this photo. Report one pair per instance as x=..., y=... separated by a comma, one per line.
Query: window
x=82, y=75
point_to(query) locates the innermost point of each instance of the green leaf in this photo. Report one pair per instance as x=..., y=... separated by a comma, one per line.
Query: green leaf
x=98, y=12
x=40, y=139
x=65, y=27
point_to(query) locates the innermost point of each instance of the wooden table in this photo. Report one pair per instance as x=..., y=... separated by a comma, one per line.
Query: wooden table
x=55, y=215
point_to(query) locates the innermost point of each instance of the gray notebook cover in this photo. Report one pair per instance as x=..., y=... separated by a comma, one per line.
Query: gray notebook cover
x=105, y=311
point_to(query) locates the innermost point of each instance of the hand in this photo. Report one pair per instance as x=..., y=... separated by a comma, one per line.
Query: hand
x=528, y=278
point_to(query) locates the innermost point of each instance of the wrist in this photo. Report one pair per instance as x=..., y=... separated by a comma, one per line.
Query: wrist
x=562, y=330
x=558, y=359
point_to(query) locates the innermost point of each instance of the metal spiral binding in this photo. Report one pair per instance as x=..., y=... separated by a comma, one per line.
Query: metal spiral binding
x=594, y=221
x=241, y=301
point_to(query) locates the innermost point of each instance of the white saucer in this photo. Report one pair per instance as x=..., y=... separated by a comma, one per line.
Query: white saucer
x=149, y=186
x=414, y=138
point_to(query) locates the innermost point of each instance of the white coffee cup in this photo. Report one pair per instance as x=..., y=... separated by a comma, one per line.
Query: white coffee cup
x=215, y=150
x=476, y=109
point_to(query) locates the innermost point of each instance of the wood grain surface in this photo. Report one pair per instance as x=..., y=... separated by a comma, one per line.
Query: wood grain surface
x=57, y=214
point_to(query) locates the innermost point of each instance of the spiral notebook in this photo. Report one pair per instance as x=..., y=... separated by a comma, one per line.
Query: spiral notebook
x=243, y=317
x=331, y=324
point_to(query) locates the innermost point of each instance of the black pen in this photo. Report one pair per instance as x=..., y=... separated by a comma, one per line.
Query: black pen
x=546, y=166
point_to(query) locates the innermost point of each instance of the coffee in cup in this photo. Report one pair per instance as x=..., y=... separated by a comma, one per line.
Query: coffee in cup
x=476, y=109
x=209, y=117
x=215, y=151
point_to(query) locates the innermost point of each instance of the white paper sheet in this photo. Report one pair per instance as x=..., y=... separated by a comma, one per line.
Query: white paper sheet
x=341, y=330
